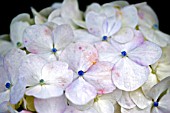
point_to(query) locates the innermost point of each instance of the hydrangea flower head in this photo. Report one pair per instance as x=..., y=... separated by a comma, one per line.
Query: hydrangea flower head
x=110, y=58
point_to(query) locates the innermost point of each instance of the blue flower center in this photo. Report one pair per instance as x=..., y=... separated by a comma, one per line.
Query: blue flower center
x=104, y=38
x=80, y=73
x=54, y=50
x=155, y=27
x=7, y=85
x=155, y=104
x=123, y=53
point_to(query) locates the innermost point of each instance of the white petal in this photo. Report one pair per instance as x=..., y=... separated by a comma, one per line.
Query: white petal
x=152, y=80
x=107, y=52
x=71, y=109
x=38, y=18
x=104, y=106
x=155, y=36
x=125, y=101
x=129, y=16
x=113, y=96
x=110, y=26
x=16, y=32
x=57, y=73
x=5, y=47
x=55, y=105
x=4, y=96
x=82, y=107
x=80, y=92
x=95, y=7
x=146, y=15
x=54, y=14
x=99, y=75
x=159, y=88
x=136, y=110
x=137, y=40
x=94, y=23
x=31, y=68
x=85, y=36
x=79, y=56
x=139, y=99
x=12, y=62
x=44, y=91
x=124, y=35
x=4, y=79
x=38, y=39
x=80, y=23
x=4, y=107
x=146, y=54
x=164, y=103
x=70, y=9
x=129, y=76
x=17, y=91
x=62, y=36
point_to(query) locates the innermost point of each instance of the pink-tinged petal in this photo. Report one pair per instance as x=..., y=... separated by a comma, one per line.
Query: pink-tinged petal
x=38, y=39
x=4, y=96
x=139, y=99
x=129, y=76
x=5, y=46
x=164, y=103
x=12, y=62
x=94, y=23
x=62, y=36
x=80, y=92
x=125, y=101
x=136, y=110
x=85, y=36
x=137, y=40
x=51, y=105
x=79, y=56
x=17, y=91
x=159, y=88
x=44, y=91
x=110, y=26
x=31, y=68
x=107, y=52
x=99, y=75
x=124, y=35
x=146, y=54
x=57, y=73
x=146, y=15
x=129, y=16
x=104, y=106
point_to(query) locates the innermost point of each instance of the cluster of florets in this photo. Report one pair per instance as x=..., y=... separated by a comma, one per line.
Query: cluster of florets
x=111, y=58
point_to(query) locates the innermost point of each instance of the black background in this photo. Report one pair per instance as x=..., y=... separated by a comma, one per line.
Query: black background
x=11, y=8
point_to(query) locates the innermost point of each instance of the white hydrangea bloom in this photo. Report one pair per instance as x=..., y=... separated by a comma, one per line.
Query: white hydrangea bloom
x=47, y=43
x=45, y=79
x=149, y=26
x=130, y=59
x=17, y=27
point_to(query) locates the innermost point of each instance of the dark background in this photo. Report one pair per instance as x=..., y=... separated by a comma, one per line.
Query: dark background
x=11, y=8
